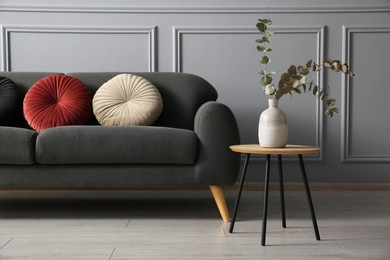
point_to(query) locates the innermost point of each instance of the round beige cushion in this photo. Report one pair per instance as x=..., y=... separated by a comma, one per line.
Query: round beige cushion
x=125, y=100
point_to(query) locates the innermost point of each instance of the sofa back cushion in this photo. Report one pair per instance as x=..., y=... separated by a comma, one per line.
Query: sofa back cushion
x=182, y=94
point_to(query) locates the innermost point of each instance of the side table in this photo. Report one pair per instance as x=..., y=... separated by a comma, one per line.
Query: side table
x=299, y=150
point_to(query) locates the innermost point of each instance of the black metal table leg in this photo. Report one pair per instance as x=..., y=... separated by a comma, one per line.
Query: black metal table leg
x=265, y=205
x=282, y=191
x=239, y=192
x=306, y=183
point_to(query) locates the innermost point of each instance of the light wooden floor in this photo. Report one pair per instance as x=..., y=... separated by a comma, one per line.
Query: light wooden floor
x=186, y=225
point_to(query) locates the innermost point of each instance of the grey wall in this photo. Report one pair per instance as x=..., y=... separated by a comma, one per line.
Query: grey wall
x=216, y=40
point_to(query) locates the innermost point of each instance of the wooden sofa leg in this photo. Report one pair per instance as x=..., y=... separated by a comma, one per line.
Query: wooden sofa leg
x=220, y=201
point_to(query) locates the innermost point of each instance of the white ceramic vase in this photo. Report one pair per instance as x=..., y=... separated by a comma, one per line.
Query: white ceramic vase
x=273, y=130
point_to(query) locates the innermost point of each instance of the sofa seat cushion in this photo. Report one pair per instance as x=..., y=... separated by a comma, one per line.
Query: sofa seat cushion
x=17, y=145
x=116, y=145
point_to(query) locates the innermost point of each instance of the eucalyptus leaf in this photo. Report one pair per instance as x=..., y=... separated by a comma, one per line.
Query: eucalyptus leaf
x=268, y=33
x=315, y=89
x=267, y=72
x=285, y=77
x=258, y=40
x=263, y=49
x=280, y=84
x=332, y=101
x=292, y=70
x=270, y=89
x=329, y=112
x=295, y=83
x=303, y=80
x=260, y=48
x=261, y=26
x=265, y=60
x=304, y=71
x=288, y=88
x=266, y=39
x=316, y=67
x=297, y=90
x=266, y=80
x=328, y=63
x=335, y=67
x=266, y=21
x=345, y=68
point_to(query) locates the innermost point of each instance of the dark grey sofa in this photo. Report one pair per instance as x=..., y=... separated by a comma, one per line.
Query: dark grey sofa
x=188, y=146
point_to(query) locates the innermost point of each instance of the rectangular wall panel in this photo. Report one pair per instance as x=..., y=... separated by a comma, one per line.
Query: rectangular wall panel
x=366, y=125
x=228, y=58
x=78, y=49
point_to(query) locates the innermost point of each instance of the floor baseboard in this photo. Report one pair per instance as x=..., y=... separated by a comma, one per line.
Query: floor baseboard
x=296, y=186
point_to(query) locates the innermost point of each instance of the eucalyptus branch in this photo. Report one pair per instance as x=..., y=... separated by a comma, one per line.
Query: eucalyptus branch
x=294, y=80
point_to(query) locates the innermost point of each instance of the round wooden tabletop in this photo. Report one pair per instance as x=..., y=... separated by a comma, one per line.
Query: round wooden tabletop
x=289, y=149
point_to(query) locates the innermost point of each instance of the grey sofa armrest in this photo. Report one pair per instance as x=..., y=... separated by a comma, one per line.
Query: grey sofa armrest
x=216, y=128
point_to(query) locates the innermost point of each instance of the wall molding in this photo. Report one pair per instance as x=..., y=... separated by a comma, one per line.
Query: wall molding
x=232, y=9
x=178, y=32
x=7, y=30
x=319, y=31
x=346, y=155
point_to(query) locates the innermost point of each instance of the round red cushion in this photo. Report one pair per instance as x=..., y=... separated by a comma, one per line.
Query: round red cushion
x=57, y=100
